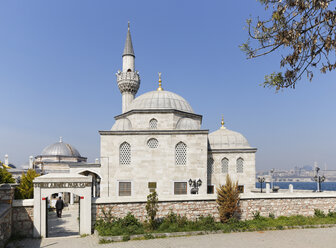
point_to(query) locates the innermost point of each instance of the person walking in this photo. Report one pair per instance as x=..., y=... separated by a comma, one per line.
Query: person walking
x=59, y=206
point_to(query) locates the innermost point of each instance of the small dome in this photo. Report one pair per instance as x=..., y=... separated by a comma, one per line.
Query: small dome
x=160, y=100
x=122, y=125
x=187, y=124
x=227, y=139
x=60, y=149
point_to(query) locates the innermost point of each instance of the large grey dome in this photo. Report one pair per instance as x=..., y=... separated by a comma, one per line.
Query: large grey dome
x=60, y=149
x=227, y=139
x=160, y=100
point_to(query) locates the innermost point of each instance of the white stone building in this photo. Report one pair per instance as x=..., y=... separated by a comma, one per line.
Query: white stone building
x=157, y=143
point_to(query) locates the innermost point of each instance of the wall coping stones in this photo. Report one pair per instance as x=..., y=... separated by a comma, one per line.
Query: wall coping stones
x=246, y=196
x=23, y=203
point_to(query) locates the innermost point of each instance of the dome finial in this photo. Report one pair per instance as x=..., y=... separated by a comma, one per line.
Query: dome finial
x=222, y=122
x=128, y=25
x=160, y=83
x=61, y=140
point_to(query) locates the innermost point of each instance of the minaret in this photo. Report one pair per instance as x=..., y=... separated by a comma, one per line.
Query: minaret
x=128, y=80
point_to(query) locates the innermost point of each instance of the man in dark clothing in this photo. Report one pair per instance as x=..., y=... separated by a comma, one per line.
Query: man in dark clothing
x=59, y=206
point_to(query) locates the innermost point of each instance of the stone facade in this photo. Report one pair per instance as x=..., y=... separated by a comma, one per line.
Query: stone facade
x=245, y=178
x=23, y=219
x=152, y=164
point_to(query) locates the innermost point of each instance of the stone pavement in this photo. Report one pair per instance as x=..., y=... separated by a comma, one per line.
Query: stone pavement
x=68, y=225
x=296, y=238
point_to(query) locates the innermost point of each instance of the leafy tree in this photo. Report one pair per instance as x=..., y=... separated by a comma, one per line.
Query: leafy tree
x=305, y=29
x=152, y=208
x=5, y=176
x=26, y=188
x=228, y=200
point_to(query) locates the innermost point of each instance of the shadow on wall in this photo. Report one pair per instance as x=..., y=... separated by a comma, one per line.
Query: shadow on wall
x=22, y=221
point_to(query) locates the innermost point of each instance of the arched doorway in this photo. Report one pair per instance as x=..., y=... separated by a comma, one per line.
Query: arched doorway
x=65, y=223
x=96, y=179
x=45, y=186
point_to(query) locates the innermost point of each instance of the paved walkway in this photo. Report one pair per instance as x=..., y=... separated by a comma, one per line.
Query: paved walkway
x=300, y=238
x=68, y=225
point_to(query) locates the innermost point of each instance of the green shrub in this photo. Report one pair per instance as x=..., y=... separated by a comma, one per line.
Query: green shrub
x=26, y=188
x=319, y=213
x=5, y=176
x=228, y=200
x=126, y=237
x=271, y=215
x=152, y=208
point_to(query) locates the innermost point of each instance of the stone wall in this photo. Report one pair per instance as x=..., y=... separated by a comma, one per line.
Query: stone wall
x=6, y=198
x=192, y=209
x=23, y=221
x=287, y=206
x=6, y=194
x=5, y=224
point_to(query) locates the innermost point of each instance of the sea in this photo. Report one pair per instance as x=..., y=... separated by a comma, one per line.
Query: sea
x=325, y=186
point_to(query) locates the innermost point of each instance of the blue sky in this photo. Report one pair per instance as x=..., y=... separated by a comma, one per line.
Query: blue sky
x=58, y=61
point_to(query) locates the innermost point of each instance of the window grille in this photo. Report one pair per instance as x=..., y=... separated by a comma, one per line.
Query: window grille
x=240, y=165
x=181, y=154
x=225, y=165
x=125, y=188
x=180, y=188
x=153, y=123
x=125, y=153
x=210, y=166
x=152, y=143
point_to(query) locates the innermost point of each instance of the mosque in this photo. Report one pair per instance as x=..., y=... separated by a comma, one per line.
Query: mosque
x=156, y=143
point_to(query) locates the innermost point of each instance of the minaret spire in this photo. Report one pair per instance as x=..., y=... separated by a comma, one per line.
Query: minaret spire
x=128, y=79
x=128, y=49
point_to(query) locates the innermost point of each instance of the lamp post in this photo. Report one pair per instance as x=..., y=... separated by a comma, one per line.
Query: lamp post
x=319, y=179
x=272, y=182
x=261, y=180
x=195, y=185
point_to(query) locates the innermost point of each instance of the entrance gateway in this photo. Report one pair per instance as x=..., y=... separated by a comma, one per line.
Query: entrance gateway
x=45, y=186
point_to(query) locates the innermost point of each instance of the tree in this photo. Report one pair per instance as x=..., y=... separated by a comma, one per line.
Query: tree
x=26, y=188
x=5, y=176
x=228, y=200
x=305, y=29
x=152, y=208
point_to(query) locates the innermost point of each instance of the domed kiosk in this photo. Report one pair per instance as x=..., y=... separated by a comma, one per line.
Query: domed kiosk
x=57, y=157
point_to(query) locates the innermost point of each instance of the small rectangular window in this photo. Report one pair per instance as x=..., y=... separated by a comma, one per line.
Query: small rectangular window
x=180, y=188
x=152, y=185
x=241, y=188
x=211, y=189
x=125, y=188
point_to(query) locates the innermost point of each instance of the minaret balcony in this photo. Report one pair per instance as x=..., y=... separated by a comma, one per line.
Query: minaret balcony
x=128, y=81
x=130, y=75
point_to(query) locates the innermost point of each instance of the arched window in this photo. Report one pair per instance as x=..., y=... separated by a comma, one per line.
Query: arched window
x=153, y=123
x=210, y=166
x=152, y=143
x=181, y=154
x=225, y=165
x=129, y=70
x=240, y=165
x=125, y=153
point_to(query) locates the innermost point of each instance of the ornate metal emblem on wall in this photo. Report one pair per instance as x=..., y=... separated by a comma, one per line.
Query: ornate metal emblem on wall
x=63, y=185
